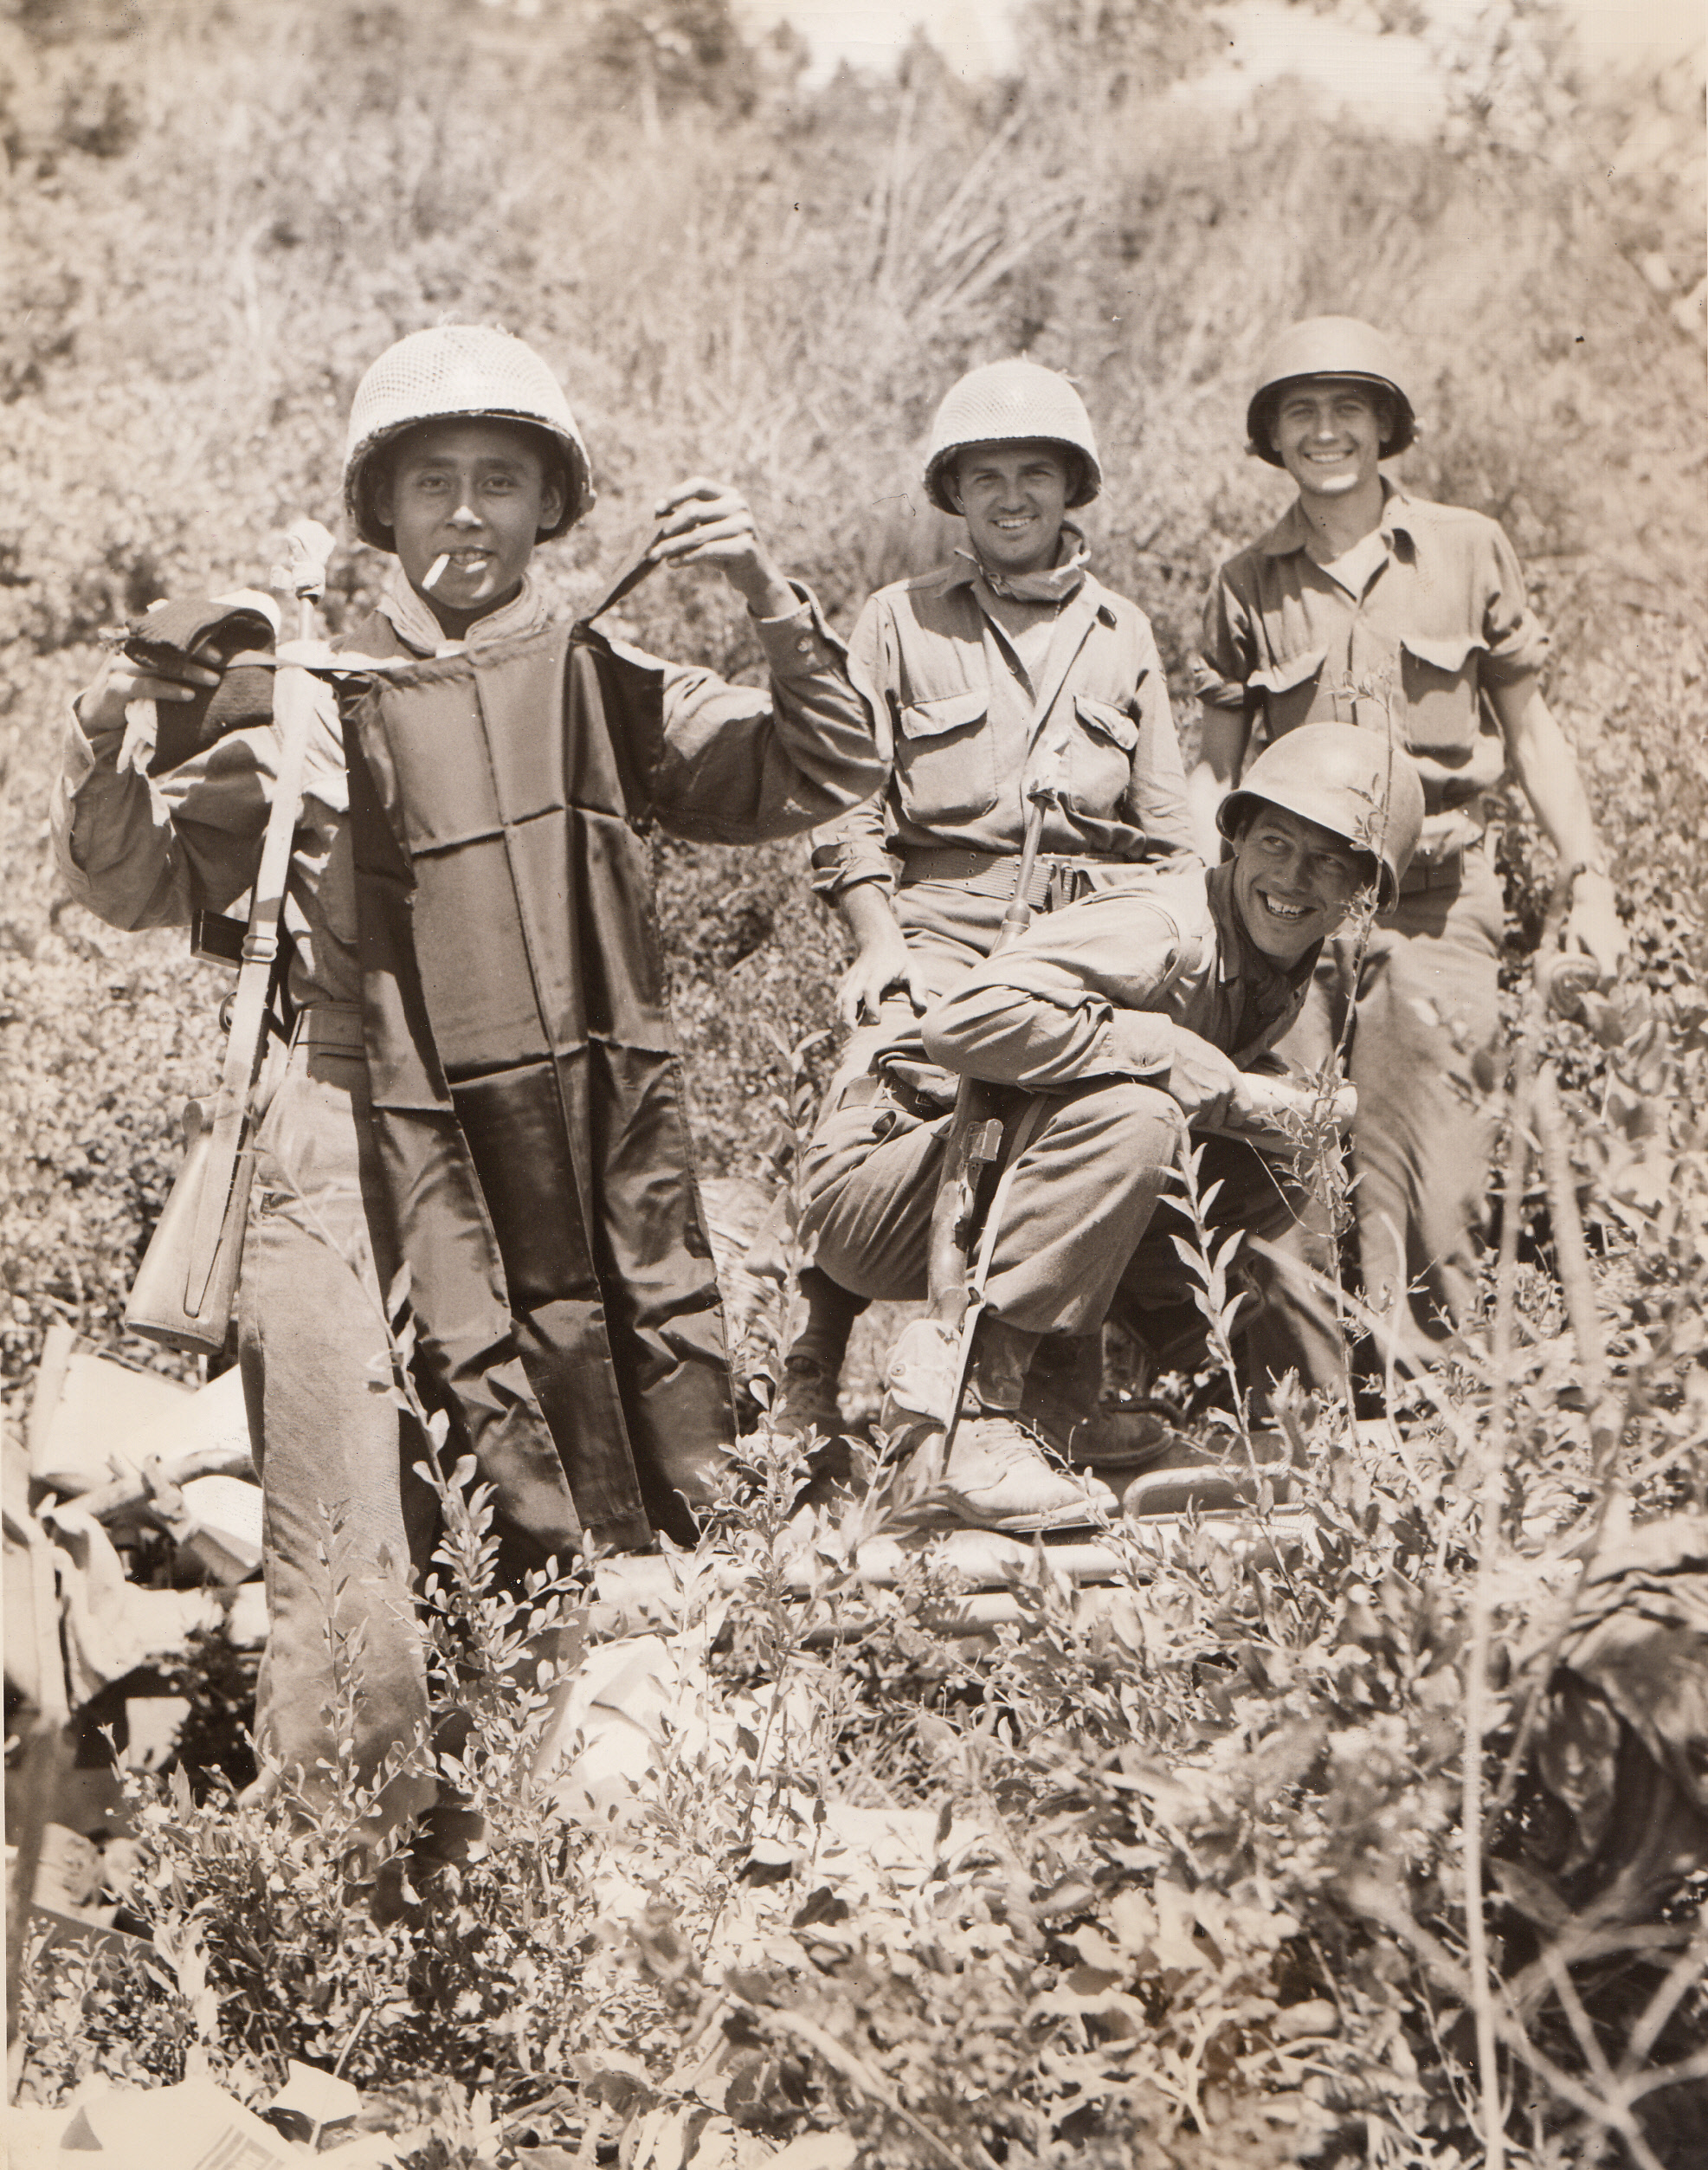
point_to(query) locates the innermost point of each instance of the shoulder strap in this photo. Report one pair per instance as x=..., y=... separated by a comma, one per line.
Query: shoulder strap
x=246, y=1043
x=1071, y=632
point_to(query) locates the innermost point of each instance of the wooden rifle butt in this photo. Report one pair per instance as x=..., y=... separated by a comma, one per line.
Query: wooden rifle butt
x=157, y=1307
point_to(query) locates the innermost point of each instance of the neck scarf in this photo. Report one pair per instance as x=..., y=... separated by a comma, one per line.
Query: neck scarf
x=416, y=627
x=1053, y=585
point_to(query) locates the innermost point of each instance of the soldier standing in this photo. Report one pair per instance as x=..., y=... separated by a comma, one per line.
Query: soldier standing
x=482, y=1082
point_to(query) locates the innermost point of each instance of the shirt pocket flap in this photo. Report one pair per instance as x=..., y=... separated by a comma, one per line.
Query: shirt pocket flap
x=949, y=712
x=1279, y=678
x=1107, y=722
x=1446, y=654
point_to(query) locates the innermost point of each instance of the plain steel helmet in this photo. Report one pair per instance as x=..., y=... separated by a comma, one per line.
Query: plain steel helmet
x=1331, y=346
x=1356, y=782
x=457, y=372
x=1011, y=403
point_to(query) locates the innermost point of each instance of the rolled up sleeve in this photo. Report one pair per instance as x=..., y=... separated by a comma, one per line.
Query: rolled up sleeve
x=1516, y=643
x=1226, y=654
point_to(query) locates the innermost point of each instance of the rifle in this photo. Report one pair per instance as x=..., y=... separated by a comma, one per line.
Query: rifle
x=187, y=1282
x=927, y=1372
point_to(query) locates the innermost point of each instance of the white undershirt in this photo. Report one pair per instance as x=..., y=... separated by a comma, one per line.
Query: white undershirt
x=1353, y=568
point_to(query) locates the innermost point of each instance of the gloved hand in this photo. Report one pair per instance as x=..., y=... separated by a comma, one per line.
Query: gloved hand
x=167, y=689
x=208, y=634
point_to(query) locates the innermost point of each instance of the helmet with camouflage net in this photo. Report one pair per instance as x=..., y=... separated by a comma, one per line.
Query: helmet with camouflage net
x=455, y=372
x=1331, y=346
x=1354, y=783
x=1012, y=403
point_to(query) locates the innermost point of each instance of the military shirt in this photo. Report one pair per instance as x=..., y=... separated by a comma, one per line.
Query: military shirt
x=953, y=702
x=1099, y=989
x=1440, y=619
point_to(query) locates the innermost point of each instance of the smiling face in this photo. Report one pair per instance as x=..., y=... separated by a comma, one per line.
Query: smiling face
x=476, y=493
x=1013, y=497
x=1294, y=881
x=1328, y=431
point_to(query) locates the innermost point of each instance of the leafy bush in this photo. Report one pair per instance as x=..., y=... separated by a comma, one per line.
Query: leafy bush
x=1199, y=1871
x=781, y=298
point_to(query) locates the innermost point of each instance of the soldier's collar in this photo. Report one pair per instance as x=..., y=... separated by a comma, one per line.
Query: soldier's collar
x=1291, y=531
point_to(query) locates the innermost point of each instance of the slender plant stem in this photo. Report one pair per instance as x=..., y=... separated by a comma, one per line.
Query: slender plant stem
x=1492, y=1491
x=1379, y=1903
x=1606, y=1415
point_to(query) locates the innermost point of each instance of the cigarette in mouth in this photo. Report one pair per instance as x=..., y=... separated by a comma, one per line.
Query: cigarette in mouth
x=437, y=570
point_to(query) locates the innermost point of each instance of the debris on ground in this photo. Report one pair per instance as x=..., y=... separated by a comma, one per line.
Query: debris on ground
x=197, y=2122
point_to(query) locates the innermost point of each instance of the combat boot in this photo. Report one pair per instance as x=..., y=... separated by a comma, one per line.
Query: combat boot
x=998, y=1473
x=807, y=1399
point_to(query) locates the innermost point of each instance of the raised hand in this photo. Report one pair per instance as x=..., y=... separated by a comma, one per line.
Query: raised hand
x=706, y=522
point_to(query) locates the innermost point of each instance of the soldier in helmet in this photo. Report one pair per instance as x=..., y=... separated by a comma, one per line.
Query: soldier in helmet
x=482, y=1082
x=1367, y=605
x=1009, y=671
x=1142, y=1014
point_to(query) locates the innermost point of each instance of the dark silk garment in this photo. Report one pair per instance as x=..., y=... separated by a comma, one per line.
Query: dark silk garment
x=527, y=1088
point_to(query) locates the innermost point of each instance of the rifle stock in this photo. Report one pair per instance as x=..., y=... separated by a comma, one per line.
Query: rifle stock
x=927, y=1370
x=160, y=1306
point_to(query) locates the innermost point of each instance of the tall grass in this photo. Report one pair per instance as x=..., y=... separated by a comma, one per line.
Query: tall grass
x=1222, y=1823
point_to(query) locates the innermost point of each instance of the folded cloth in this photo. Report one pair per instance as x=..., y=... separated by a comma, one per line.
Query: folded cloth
x=214, y=630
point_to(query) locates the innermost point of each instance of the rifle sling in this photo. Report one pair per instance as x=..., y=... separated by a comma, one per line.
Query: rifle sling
x=246, y=1043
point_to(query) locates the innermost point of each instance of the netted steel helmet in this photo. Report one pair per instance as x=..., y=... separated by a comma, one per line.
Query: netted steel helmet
x=458, y=372
x=1356, y=782
x=1331, y=346
x=1012, y=403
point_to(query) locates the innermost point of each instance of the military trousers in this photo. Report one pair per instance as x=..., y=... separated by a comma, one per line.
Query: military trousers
x=347, y=1525
x=1420, y=1014
x=1087, y=1222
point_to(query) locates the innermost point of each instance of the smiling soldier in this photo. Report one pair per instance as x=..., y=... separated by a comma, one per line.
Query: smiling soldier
x=1140, y=1015
x=1366, y=604
x=1009, y=672
x=483, y=1082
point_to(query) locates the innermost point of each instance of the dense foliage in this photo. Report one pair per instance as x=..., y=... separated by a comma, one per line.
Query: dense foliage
x=1193, y=1887
x=216, y=216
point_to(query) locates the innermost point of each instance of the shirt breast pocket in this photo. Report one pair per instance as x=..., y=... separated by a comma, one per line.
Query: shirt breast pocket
x=1440, y=680
x=945, y=758
x=1290, y=689
x=1100, y=755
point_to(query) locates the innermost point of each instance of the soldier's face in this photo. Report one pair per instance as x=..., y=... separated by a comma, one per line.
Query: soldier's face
x=475, y=494
x=1328, y=431
x=1013, y=498
x=1294, y=881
